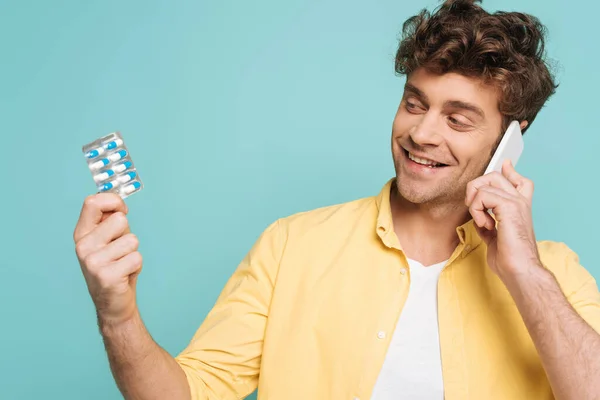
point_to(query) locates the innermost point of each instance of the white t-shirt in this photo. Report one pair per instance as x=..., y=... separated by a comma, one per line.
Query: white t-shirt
x=413, y=367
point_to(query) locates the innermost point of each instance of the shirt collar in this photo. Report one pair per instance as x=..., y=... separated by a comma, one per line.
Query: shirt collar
x=466, y=232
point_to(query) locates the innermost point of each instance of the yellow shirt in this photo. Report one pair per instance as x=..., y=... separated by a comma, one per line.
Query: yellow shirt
x=303, y=315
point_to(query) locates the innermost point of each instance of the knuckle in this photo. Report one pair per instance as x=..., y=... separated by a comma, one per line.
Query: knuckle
x=120, y=219
x=82, y=248
x=136, y=258
x=92, y=262
x=472, y=187
x=90, y=201
x=132, y=241
x=118, y=216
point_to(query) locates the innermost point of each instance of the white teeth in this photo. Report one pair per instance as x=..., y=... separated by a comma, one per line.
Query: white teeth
x=422, y=161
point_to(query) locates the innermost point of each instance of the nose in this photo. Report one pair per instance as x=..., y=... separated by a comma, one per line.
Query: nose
x=426, y=131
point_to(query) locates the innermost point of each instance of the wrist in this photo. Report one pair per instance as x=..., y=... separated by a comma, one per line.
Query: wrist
x=529, y=280
x=110, y=325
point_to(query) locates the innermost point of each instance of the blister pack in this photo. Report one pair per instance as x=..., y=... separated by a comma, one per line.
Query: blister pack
x=112, y=168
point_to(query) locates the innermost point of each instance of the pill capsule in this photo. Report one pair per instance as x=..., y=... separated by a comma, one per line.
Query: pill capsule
x=117, y=156
x=100, y=163
x=131, y=188
x=122, y=167
x=108, y=186
x=95, y=153
x=104, y=175
x=127, y=177
x=113, y=144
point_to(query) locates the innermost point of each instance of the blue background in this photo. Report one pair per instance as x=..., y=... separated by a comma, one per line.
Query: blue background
x=236, y=113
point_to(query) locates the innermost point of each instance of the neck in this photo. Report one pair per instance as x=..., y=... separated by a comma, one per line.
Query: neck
x=427, y=232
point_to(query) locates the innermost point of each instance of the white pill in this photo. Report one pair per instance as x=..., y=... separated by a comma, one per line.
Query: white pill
x=127, y=177
x=99, y=164
x=95, y=152
x=117, y=156
x=113, y=144
x=122, y=167
x=131, y=188
x=104, y=175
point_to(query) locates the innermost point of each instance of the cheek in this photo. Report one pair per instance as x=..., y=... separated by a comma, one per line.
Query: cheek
x=471, y=156
x=396, y=128
x=473, y=164
x=402, y=122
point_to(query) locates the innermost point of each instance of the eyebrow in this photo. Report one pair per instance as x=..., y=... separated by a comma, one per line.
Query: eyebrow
x=465, y=106
x=416, y=91
x=450, y=103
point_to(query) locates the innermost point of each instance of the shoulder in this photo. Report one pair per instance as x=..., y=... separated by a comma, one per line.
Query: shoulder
x=313, y=229
x=564, y=263
x=332, y=216
x=324, y=226
x=551, y=252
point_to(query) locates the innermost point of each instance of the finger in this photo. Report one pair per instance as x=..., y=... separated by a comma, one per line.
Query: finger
x=500, y=192
x=93, y=209
x=487, y=198
x=114, y=251
x=114, y=227
x=124, y=269
x=522, y=184
x=128, y=265
x=480, y=215
x=486, y=235
x=494, y=179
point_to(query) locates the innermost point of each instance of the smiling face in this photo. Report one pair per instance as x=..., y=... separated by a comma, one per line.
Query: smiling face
x=443, y=136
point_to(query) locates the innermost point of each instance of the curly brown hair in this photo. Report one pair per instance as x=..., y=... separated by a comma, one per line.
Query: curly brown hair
x=504, y=49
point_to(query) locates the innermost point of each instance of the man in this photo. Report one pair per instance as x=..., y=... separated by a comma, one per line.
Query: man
x=417, y=293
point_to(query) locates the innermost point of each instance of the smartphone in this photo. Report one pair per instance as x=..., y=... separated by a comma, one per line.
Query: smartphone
x=510, y=147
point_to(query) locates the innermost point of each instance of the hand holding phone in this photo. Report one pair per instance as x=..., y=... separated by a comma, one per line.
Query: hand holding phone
x=510, y=148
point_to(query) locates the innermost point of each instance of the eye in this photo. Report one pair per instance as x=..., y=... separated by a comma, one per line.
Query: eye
x=457, y=123
x=413, y=106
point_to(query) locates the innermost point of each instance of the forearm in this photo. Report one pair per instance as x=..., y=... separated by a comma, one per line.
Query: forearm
x=568, y=347
x=141, y=368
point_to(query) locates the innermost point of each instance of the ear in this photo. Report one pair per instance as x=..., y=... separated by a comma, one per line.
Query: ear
x=524, y=124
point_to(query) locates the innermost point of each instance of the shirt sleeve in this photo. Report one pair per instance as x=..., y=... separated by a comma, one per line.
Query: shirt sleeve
x=582, y=291
x=222, y=361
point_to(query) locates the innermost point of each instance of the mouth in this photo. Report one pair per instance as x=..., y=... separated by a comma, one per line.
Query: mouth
x=423, y=162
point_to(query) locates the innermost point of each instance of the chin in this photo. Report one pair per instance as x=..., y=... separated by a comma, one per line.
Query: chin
x=432, y=193
x=415, y=195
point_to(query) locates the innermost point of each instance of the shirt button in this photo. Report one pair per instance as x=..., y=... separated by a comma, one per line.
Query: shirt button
x=468, y=247
x=403, y=271
x=381, y=335
x=356, y=398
